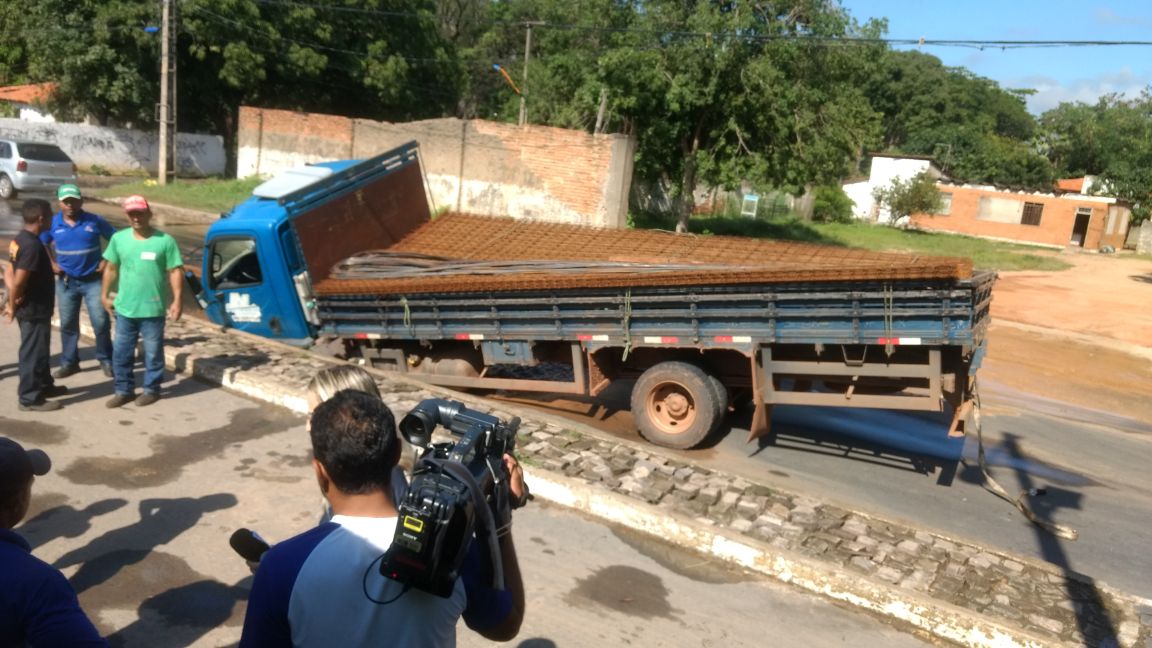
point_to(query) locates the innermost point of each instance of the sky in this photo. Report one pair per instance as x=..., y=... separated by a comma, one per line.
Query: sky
x=1057, y=74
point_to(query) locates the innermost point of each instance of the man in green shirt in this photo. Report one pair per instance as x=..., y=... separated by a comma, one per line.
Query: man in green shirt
x=146, y=272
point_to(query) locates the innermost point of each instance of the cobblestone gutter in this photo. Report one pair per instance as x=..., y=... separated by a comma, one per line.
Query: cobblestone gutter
x=961, y=592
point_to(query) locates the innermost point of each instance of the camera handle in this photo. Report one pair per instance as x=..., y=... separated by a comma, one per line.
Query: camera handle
x=461, y=473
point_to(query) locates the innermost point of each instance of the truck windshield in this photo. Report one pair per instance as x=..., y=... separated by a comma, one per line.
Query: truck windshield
x=235, y=263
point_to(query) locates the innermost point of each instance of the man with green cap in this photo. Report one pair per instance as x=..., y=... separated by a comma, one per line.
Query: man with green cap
x=73, y=240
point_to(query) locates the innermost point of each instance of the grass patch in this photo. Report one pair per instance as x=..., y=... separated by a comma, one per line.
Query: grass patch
x=985, y=254
x=210, y=195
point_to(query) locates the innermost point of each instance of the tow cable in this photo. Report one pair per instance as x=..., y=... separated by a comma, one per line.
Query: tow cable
x=992, y=486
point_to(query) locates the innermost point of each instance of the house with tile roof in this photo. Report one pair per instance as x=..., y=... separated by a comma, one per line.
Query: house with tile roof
x=1066, y=216
x=29, y=100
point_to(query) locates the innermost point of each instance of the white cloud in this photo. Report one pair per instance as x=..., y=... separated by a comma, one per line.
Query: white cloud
x=1051, y=92
x=1108, y=17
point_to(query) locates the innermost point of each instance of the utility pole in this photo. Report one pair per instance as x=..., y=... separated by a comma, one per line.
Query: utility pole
x=524, y=82
x=167, y=105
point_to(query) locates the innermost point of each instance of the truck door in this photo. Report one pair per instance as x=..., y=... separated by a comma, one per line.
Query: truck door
x=236, y=283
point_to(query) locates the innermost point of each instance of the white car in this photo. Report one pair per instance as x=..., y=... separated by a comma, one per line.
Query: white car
x=31, y=166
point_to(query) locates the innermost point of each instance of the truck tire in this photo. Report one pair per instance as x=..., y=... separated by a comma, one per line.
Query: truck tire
x=677, y=404
x=7, y=188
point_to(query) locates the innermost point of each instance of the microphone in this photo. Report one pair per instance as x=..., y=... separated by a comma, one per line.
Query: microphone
x=248, y=544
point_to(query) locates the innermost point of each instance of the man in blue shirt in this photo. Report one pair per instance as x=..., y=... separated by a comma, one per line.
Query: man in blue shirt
x=324, y=588
x=74, y=239
x=37, y=605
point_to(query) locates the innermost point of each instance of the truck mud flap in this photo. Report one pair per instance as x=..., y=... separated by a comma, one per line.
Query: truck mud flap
x=762, y=414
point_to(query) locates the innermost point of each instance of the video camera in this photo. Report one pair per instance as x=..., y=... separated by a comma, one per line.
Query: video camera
x=453, y=486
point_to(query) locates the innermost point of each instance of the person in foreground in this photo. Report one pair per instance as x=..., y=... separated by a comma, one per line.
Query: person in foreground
x=145, y=270
x=313, y=589
x=37, y=605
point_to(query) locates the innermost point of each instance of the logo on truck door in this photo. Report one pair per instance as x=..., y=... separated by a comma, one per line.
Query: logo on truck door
x=241, y=309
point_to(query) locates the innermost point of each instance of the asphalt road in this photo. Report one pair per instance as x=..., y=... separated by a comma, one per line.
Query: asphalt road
x=141, y=501
x=900, y=465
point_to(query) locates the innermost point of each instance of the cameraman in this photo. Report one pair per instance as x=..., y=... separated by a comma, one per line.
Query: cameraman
x=313, y=590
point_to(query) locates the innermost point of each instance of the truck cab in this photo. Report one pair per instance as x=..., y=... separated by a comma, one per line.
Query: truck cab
x=252, y=261
x=262, y=258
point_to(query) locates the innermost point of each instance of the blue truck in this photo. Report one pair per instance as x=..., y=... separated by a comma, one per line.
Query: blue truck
x=346, y=256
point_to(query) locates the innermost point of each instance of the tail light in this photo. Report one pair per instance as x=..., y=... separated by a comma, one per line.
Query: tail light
x=22, y=166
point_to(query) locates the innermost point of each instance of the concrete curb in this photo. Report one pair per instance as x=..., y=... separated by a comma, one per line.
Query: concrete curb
x=942, y=620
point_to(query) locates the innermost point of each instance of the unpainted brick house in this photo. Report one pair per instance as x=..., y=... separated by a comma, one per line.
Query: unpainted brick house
x=1060, y=218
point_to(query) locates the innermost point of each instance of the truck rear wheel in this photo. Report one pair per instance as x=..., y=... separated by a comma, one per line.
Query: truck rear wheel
x=677, y=404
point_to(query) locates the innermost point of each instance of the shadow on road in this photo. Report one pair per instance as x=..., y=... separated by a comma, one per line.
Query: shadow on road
x=183, y=614
x=1095, y=624
x=910, y=441
x=66, y=521
x=161, y=521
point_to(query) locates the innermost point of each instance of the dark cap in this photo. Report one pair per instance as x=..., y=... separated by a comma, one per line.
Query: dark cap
x=17, y=465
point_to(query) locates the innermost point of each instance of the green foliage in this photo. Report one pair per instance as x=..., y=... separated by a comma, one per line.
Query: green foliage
x=915, y=195
x=831, y=205
x=976, y=130
x=783, y=112
x=1111, y=139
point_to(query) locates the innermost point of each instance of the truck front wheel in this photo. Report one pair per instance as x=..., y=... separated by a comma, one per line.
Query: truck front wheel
x=677, y=404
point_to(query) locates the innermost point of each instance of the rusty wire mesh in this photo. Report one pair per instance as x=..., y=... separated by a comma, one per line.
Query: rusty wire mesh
x=752, y=261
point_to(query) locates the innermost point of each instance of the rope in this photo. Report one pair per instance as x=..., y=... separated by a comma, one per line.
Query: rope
x=627, y=323
x=992, y=486
x=407, y=314
x=889, y=348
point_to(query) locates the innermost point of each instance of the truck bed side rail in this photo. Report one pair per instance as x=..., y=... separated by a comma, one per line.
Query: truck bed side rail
x=923, y=313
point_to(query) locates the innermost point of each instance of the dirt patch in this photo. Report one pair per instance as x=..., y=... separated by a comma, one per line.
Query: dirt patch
x=1096, y=347
x=1102, y=295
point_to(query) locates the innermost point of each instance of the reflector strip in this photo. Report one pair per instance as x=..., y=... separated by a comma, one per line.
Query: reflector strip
x=660, y=340
x=367, y=336
x=911, y=341
x=469, y=336
x=732, y=338
x=592, y=338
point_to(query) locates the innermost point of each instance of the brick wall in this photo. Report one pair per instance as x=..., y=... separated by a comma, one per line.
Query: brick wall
x=474, y=166
x=1057, y=220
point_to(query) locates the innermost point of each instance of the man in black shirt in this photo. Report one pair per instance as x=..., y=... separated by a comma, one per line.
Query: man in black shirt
x=31, y=297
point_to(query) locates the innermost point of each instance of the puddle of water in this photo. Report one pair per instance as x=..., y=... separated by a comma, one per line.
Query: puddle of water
x=624, y=589
x=171, y=454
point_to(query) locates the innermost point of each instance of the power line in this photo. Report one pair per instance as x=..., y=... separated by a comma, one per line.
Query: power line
x=745, y=36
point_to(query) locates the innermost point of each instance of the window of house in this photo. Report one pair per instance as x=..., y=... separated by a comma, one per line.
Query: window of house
x=945, y=204
x=999, y=210
x=1032, y=213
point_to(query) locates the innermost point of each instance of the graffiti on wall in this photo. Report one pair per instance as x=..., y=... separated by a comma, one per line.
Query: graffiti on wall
x=119, y=150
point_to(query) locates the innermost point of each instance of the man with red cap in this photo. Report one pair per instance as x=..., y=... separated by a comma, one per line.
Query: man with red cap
x=38, y=607
x=146, y=273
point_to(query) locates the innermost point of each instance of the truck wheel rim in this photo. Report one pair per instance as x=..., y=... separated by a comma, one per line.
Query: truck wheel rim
x=671, y=407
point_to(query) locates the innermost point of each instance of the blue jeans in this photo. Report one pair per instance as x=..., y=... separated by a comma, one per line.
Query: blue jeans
x=149, y=330
x=69, y=293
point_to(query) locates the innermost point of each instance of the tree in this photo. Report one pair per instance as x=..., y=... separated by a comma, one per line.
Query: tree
x=741, y=91
x=1111, y=139
x=976, y=130
x=915, y=195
